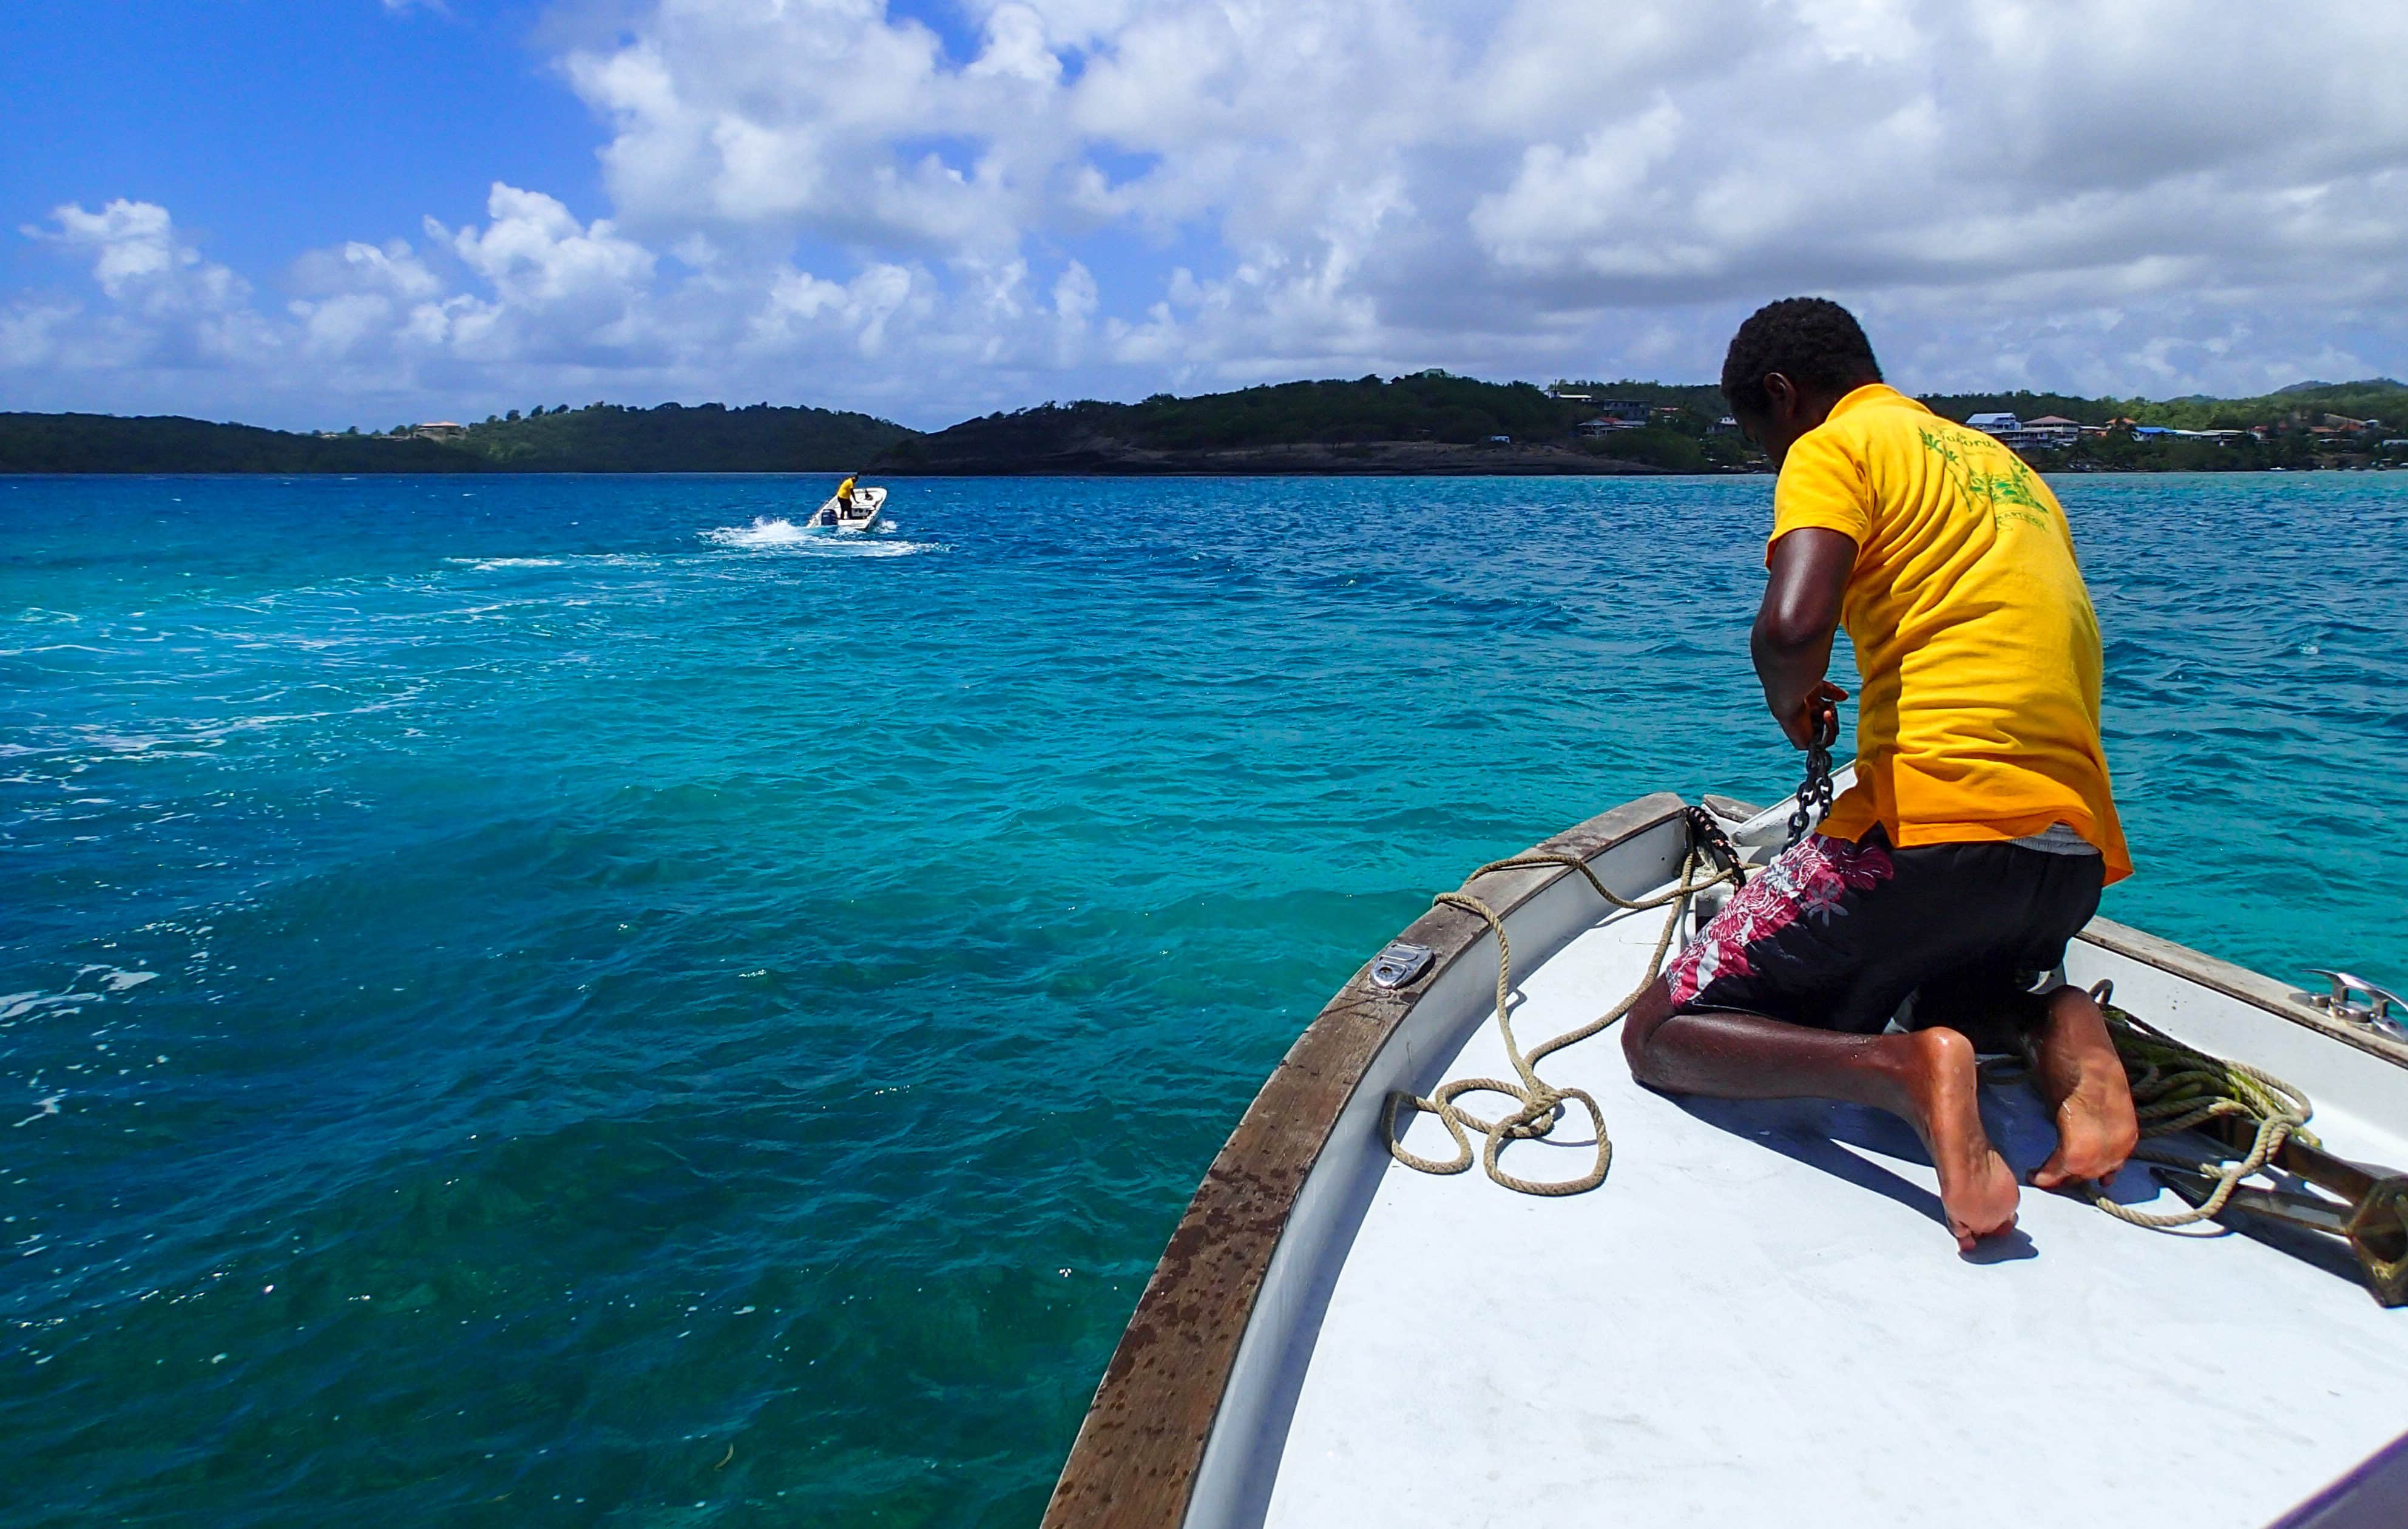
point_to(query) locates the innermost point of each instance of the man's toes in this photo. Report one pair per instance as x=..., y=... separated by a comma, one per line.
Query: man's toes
x=2083, y=1162
x=1970, y=1236
x=2068, y=1166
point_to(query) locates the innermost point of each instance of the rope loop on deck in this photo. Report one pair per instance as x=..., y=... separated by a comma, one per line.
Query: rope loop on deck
x=1537, y=1104
x=2177, y=1087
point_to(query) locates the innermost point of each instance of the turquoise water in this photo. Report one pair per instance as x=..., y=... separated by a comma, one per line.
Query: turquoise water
x=536, y=1000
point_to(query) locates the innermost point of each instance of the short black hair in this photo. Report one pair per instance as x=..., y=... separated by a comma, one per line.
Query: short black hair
x=1812, y=341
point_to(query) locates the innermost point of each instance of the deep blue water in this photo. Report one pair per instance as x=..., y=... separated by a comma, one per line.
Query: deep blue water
x=525, y=1010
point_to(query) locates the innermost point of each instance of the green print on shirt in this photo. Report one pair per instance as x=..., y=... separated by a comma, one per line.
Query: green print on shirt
x=2009, y=496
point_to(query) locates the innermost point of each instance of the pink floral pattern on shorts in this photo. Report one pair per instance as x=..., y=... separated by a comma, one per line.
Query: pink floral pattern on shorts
x=1809, y=877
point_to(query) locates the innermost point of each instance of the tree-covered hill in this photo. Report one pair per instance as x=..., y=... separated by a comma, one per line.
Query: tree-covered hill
x=1430, y=422
x=1454, y=410
x=603, y=437
x=1299, y=426
x=1700, y=399
x=674, y=437
x=2374, y=398
x=170, y=444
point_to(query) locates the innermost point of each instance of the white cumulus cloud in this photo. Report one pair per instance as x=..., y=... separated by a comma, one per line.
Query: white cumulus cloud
x=831, y=199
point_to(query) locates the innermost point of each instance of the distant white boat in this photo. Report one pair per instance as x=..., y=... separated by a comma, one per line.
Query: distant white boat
x=861, y=516
x=1757, y=1319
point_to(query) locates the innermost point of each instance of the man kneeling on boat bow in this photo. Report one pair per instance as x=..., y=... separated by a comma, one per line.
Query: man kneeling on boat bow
x=1946, y=882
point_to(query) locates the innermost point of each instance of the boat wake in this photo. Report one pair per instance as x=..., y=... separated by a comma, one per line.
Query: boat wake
x=779, y=534
x=762, y=532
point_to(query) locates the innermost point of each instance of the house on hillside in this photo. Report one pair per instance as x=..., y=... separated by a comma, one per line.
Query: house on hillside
x=439, y=430
x=1615, y=414
x=2012, y=433
x=2054, y=430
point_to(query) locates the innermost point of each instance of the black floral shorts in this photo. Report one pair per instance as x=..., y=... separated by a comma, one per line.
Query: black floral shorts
x=1841, y=935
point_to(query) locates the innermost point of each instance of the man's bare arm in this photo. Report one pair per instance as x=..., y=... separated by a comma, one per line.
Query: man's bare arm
x=1792, y=640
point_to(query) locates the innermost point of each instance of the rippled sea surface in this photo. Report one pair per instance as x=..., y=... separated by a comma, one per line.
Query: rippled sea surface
x=565, y=1000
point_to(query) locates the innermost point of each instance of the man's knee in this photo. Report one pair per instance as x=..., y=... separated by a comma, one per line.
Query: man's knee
x=1640, y=1025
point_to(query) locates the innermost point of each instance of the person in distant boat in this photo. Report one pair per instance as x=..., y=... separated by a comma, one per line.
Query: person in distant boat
x=844, y=495
x=1981, y=828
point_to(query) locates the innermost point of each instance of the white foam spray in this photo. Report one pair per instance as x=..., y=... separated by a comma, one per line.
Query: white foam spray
x=779, y=534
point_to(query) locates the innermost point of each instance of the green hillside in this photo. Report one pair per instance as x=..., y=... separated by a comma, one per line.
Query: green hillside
x=1428, y=407
x=1441, y=421
x=1456, y=409
x=675, y=438
x=1702, y=398
x=2302, y=403
x=603, y=437
x=170, y=444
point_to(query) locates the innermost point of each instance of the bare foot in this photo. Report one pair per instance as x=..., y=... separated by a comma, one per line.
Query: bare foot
x=2080, y=1073
x=1977, y=1188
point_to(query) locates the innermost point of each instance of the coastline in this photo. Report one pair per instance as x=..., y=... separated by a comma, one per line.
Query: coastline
x=1351, y=459
x=1427, y=423
x=1270, y=464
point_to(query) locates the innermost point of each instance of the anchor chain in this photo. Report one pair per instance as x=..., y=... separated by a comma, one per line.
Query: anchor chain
x=1815, y=792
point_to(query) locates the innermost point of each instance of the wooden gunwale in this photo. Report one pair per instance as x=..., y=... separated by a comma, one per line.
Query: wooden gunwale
x=1135, y=1461
x=2235, y=982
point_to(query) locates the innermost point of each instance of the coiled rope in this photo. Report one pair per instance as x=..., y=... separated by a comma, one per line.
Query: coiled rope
x=1538, y=1104
x=2177, y=1087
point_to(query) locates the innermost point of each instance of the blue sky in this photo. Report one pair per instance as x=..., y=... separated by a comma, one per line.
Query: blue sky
x=271, y=128
x=358, y=211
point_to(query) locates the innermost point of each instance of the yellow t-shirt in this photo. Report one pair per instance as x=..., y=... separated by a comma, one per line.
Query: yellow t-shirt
x=1975, y=639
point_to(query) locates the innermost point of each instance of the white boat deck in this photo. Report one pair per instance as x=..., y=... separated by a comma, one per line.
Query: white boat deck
x=1760, y=1317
